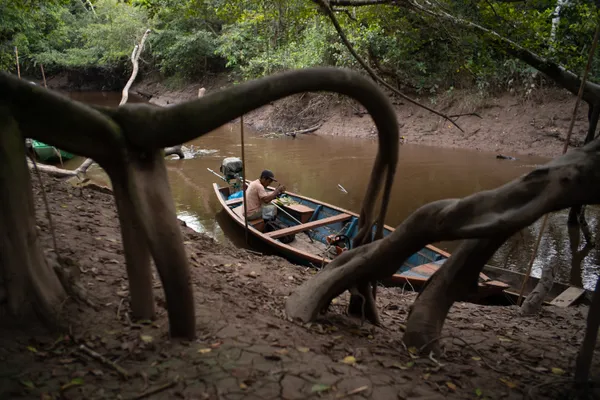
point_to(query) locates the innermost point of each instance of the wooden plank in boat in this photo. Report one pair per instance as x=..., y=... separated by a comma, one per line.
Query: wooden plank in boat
x=234, y=201
x=309, y=225
x=425, y=269
x=304, y=212
x=568, y=297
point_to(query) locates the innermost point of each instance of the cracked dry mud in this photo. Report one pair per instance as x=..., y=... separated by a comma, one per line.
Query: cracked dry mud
x=246, y=349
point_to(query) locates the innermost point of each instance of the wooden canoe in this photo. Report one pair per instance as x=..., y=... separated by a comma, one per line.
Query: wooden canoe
x=323, y=221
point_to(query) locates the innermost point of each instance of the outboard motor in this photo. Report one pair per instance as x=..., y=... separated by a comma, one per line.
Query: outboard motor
x=232, y=169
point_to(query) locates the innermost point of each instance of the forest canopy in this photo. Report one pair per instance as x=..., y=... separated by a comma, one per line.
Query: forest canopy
x=412, y=50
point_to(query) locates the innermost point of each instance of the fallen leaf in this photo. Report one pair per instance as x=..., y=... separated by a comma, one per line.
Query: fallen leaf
x=558, y=371
x=476, y=358
x=413, y=352
x=397, y=365
x=74, y=382
x=28, y=384
x=204, y=351
x=303, y=349
x=350, y=360
x=508, y=383
x=426, y=376
x=146, y=338
x=319, y=387
x=478, y=392
x=504, y=339
x=282, y=351
x=32, y=349
x=243, y=386
x=451, y=385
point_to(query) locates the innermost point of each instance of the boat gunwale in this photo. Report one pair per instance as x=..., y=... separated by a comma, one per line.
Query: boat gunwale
x=323, y=261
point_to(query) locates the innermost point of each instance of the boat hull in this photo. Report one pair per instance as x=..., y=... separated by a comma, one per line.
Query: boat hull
x=346, y=223
x=48, y=153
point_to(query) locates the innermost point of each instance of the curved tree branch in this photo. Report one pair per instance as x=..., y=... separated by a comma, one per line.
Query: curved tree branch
x=53, y=118
x=145, y=125
x=493, y=213
x=331, y=15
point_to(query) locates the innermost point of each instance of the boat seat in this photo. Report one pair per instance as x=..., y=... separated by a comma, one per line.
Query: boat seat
x=309, y=225
x=257, y=223
x=304, y=212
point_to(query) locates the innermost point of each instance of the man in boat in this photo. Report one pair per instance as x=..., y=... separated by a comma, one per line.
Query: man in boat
x=258, y=198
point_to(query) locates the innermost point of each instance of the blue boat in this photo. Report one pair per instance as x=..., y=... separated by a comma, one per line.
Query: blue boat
x=310, y=232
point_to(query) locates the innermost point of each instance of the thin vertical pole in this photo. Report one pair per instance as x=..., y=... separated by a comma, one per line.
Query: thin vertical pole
x=18, y=66
x=43, y=75
x=244, y=177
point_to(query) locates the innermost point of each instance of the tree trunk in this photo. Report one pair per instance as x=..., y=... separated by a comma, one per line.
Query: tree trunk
x=586, y=354
x=458, y=275
x=534, y=301
x=148, y=183
x=137, y=253
x=28, y=280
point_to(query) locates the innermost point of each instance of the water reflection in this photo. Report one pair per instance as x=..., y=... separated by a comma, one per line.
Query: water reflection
x=314, y=165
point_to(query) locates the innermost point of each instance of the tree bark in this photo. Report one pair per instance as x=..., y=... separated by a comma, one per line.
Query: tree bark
x=148, y=183
x=29, y=282
x=534, y=301
x=137, y=253
x=458, y=275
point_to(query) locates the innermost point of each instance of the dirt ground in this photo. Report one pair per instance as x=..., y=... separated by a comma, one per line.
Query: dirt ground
x=508, y=124
x=247, y=349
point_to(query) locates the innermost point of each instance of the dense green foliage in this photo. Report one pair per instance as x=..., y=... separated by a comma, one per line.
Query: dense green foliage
x=411, y=49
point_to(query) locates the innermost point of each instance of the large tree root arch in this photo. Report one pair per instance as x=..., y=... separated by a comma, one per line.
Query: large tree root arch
x=490, y=216
x=128, y=143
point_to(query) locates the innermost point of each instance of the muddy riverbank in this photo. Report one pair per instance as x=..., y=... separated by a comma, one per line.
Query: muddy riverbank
x=507, y=124
x=247, y=349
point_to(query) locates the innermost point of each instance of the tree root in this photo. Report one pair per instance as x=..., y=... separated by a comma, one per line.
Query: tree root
x=499, y=212
x=99, y=357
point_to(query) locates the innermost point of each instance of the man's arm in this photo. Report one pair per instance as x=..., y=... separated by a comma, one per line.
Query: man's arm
x=267, y=197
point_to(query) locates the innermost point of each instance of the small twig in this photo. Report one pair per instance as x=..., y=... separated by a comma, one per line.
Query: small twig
x=254, y=252
x=157, y=389
x=326, y=6
x=466, y=344
x=45, y=199
x=104, y=360
x=473, y=114
x=354, y=391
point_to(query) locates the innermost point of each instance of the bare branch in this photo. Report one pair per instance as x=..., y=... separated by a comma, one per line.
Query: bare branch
x=137, y=51
x=373, y=74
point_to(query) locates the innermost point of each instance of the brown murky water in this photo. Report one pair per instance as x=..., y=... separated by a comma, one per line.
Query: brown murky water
x=314, y=166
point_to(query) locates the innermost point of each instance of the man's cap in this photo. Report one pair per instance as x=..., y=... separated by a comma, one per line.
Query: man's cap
x=268, y=174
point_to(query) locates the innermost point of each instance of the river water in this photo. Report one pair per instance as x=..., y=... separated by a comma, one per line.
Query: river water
x=314, y=165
